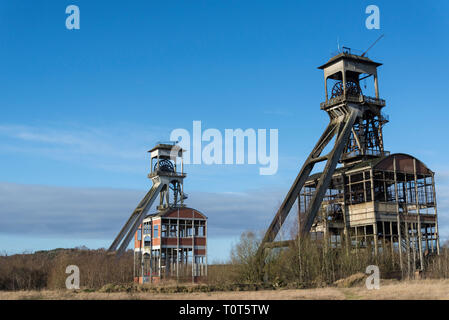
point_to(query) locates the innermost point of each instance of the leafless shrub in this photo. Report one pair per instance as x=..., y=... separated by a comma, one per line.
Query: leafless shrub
x=437, y=266
x=308, y=263
x=305, y=263
x=46, y=269
x=245, y=267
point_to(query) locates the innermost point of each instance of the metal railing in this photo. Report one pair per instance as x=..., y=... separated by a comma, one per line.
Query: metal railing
x=167, y=173
x=368, y=152
x=352, y=98
x=347, y=50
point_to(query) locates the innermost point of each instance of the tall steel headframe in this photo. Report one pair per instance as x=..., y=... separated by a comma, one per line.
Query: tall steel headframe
x=354, y=133
x=167, y=180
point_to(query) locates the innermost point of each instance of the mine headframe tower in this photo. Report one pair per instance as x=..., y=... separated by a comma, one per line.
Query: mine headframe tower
x=355, y=122
x=167, y=180
x=392, y=196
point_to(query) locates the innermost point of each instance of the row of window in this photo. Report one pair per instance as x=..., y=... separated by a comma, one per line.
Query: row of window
x=147, y=230
x=171, y=231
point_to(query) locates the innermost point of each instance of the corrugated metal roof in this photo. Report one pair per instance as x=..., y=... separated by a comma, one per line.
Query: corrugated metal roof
x=349, y=56
x=170, y=210
x=370, y=163
x=359, y=165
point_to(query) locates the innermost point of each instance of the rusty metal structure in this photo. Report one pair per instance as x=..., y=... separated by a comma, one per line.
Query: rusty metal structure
x=364, y=197
x=172, y=242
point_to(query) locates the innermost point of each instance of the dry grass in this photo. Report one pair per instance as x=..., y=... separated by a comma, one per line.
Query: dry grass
x=351, y=281
x=389, y=289
x=409, y=290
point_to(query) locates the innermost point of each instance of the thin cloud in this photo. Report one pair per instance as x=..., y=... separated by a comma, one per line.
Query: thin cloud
x=99, y=213
x=84, y=141
x=118, y=149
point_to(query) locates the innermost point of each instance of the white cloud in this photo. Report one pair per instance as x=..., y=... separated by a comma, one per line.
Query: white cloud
x=113, y=149
x=101, y=212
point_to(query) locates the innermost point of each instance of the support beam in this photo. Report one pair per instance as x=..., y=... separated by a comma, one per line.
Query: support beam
x=436, y=234
x=136, y=219
x=398, y=214
x=344, y=129
x=287, y=204
x=421, y=256
x=341, y=127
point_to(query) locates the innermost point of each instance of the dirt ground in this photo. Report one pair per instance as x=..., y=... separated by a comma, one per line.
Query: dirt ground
x=417, y=289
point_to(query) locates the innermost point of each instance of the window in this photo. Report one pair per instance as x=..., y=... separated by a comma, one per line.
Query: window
x=139, y=234
x=147, y=241
x=173, y=230
x=164, y=228
x=156, y=231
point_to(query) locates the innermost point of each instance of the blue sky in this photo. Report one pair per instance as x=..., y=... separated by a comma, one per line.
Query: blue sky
x=80, y=108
